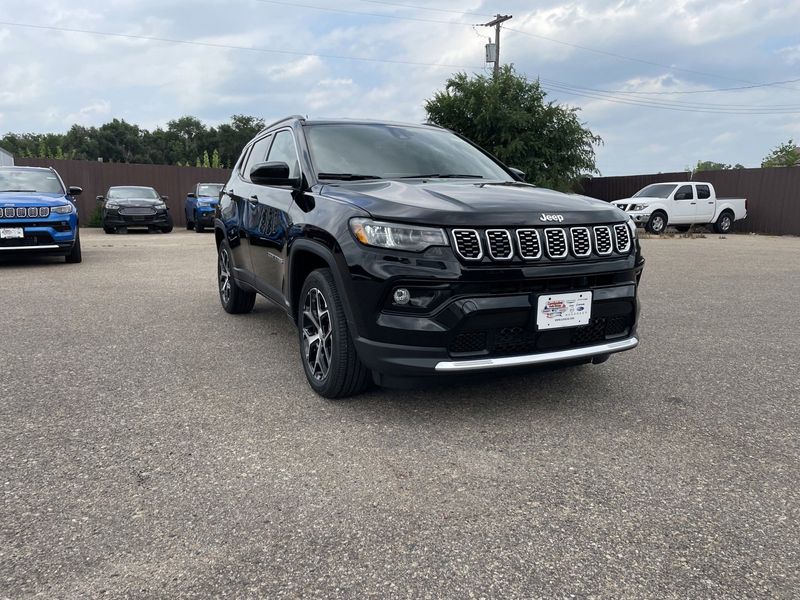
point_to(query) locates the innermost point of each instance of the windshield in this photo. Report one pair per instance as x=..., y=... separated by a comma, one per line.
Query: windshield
x=657, y=190
x=24, y=180
x=209, y=189
x=124, y=193
x=367, y=151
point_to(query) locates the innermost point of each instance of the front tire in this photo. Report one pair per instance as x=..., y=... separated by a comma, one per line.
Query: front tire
x=724, y=223
x=109, y=230
x=234, y=299
x=197, y=226
x=74, y=255
x=329, y=356
x=657, y=224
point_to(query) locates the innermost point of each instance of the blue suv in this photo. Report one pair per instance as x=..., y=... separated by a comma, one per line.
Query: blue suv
x=38, y=213
x=200, y=206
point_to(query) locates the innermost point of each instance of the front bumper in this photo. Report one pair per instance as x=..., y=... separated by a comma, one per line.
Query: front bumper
x=116, y=219
x=53, y=235
x=205, y=216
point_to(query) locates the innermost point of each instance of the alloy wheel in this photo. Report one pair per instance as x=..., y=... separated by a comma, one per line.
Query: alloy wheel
x=317, y=334
x=224, y=275
x=725, y=223
x=658, y=223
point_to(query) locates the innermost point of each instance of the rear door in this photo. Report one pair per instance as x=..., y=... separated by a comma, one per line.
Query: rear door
x=268, y=233
x=684, y=206
x=705, y=204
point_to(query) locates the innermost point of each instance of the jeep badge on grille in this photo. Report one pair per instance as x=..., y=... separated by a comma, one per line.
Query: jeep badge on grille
x=550, y=218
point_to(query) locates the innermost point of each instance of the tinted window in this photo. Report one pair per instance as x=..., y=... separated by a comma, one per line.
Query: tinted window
x=24, y=180
x=211, y=190
x=121, y=193
x=283, y=150
x=390, y=151
x=684, y=193
x=703, y=192
x=657, y=190
x=257, y=155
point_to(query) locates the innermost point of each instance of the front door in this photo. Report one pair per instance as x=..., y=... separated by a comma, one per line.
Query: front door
x=684, y=206
x=270, y=225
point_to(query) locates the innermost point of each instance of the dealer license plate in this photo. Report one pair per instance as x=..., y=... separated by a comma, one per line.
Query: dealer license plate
x=555, y=311
x=11, y=233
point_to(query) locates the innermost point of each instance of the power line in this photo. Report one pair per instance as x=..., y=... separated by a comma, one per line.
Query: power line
x=578, y=88
x=346, y=11
x=231, y=46
x=417, y=7
x=710, y=91
x=633, y=59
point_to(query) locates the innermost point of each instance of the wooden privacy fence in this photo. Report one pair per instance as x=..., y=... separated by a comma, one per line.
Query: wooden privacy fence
x=95, y=178
x=773, y=195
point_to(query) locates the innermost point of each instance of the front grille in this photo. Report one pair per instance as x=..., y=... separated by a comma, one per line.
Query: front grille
x=530, y=246
x=533, y=244
x=500, y=247
x=136, y=211
x=602, y=240
x=555, y=243
x=40, y=239
x=581, y=242
x=468, y=244
x=26, y=212
x=514, y=340
x=623, y=238
x=469, y=341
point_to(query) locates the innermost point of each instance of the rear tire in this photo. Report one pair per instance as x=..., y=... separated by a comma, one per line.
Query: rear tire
x=109, y=230
x=329, y=356
x=657, y=223
x=724, y=223
x=74, y=255
x=189, y=225
x=234, y=299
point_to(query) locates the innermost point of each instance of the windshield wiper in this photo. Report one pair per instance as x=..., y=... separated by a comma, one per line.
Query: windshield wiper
x=441, y=176
x=346, y=176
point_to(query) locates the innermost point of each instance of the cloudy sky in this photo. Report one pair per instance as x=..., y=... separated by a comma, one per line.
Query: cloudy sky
x=276, y=58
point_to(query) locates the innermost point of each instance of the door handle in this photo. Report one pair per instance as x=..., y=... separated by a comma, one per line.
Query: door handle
x=711, y=203
x=253, y=199
x=693, y=203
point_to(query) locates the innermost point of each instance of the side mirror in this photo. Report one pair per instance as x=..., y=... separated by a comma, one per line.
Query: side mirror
x=100, y=198
x=191, y=195
x=518, y=175
x=165, y=198
x=272, y=173
x=75, y=190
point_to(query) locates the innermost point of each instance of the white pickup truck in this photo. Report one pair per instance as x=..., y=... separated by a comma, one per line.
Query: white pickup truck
x=682, y=204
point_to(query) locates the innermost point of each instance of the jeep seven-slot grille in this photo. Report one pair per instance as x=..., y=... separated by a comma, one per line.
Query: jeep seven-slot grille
x=26, y=212
x=468, y=244
x=549, y=242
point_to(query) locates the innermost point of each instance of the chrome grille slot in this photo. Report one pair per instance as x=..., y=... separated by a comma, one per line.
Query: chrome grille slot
x=33, y=212
x=555, y=243
x=623, y=238
x=602, y=240
x=581, y=242
x=467, y=243
x=530, y=245
x=136, y=211
x=22, y=212
x=499, y=244
x=44, y=212
x=8, y=213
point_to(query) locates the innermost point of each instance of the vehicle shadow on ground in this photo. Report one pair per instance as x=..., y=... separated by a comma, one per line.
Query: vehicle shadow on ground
x=31, y=260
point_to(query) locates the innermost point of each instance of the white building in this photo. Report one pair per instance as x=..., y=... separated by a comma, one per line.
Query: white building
x=6, y=158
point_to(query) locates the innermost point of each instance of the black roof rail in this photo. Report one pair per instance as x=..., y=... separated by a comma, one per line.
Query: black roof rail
x=279, y=121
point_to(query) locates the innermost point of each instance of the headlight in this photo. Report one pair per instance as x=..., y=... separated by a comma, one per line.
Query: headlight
x=161, y=206
x=635, y=207
x=64, y=209
x=112, y=205
x=397, y=236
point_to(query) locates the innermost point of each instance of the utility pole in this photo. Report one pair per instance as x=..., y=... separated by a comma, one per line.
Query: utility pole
x=496, y=22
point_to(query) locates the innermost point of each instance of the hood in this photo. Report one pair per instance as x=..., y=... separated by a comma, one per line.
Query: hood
x=213, y=199
x=136, y=202
x=9, y=199
x=471, y=204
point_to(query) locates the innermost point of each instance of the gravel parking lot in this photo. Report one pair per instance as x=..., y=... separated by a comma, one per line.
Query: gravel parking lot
x=153, y=446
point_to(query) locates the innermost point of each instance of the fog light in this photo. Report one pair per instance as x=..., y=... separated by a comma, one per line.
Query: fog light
x=402, y=296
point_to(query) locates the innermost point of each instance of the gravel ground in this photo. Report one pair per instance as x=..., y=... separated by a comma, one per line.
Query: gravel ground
x=153, y=446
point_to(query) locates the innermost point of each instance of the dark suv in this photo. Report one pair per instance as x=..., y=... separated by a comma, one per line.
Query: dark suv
x=405, y=251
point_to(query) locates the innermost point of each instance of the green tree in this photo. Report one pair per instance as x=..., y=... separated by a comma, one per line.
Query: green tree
x=215, y=161
x=510, y=117
x=206, y=159
x=784, y=155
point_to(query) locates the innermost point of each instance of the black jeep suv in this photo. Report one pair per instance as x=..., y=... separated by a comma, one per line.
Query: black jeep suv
x=405, y=251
